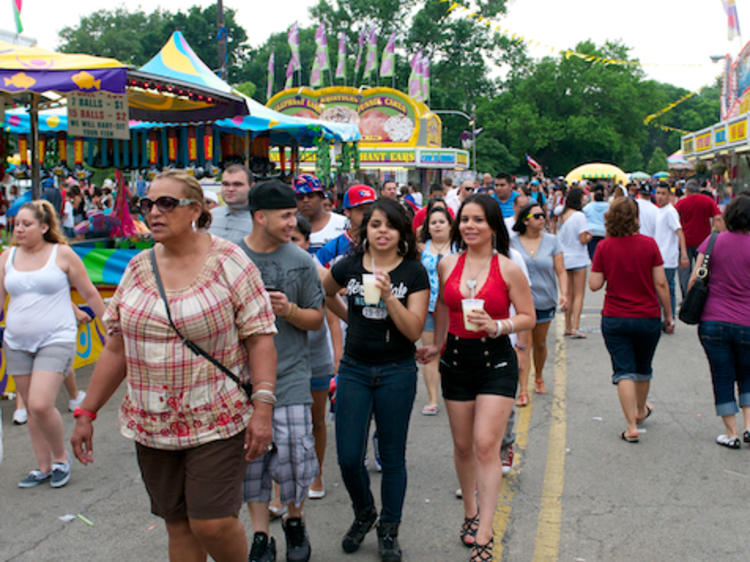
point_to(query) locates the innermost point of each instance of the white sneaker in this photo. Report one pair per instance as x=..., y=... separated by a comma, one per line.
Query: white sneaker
x=77, y=401
x=20, y=417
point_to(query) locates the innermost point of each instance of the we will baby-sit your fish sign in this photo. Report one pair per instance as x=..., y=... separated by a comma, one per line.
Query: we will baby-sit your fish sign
x=98, y=114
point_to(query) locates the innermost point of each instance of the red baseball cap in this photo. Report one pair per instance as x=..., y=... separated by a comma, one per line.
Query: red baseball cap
x=358, y=195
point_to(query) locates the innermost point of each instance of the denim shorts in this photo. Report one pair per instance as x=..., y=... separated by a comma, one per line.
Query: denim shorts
x=545, y=315
x=727, y=347
x=320, y=383
x=631, y=343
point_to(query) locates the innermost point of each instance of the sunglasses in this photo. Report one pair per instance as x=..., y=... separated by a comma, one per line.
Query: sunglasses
x=535, y=216
x=165, y=204
x=468, y=189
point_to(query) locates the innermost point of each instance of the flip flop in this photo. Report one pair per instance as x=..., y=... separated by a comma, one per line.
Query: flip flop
x=539, y=387
x=577, y=335
x=523, y=400
x=430, y=410
x=629, y=439
x=649, y=411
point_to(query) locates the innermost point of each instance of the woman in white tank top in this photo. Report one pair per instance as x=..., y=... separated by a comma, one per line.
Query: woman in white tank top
x=39, y=341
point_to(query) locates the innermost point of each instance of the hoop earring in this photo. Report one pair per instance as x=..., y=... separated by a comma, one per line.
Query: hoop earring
x=195, y=226
x=365, y=245
x=402, y=252
x=494, y=241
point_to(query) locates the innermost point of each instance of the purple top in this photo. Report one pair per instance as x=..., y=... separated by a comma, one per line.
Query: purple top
x=728, y=297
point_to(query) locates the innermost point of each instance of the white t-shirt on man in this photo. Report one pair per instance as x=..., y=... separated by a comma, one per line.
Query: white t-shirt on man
x=667, y=225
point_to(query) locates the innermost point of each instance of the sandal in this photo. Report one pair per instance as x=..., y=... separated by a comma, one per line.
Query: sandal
x=539, y=387
x=649, y=411
x=523, y=400
x=469, y=530
x=628, y=438
x=482, y=552
x=430, y=410
x=730, y=442
x=577, y=335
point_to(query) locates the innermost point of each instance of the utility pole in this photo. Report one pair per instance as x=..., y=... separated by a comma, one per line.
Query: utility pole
x=222, y=38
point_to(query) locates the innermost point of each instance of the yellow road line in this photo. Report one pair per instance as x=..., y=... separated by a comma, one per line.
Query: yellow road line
x=547, y=544
x=508, y=487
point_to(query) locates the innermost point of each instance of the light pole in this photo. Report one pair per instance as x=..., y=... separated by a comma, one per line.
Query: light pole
x=472, y=123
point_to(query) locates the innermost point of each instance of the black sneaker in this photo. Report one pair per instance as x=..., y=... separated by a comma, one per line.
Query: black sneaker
x=388, y=542
x=263, y=549
x=746, y=436
x=297, y=542
x=363, y=522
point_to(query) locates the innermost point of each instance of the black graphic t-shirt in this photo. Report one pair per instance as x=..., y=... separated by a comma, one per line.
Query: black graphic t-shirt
x=372, y=337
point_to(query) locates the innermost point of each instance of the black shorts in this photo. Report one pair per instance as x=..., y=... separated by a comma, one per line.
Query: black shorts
x=469, y=367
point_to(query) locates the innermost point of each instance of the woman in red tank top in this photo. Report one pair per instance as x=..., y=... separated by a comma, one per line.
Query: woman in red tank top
x=478, y=367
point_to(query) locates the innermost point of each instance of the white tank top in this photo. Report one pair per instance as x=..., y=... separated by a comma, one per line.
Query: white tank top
x=40, y=311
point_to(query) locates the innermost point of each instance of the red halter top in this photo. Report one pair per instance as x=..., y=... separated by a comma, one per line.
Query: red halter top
x=494, y=292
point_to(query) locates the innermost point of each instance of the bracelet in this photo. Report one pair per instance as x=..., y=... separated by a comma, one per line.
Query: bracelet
x=265, y=396
x=268, y=384
x=500, y=328
x=78, y=412
x=512, y=329
x=293, y=308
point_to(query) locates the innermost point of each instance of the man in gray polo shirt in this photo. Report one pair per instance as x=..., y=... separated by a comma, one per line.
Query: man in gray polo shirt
x=233, y=221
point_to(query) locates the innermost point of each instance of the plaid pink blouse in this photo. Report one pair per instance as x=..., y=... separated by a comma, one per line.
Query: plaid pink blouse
x=176, y=399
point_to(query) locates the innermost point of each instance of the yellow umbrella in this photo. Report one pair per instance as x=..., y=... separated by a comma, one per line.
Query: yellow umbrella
x=597, y=171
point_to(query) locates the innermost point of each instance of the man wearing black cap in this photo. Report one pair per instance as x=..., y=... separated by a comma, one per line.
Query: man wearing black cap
x=293, y=285
x=648, y=213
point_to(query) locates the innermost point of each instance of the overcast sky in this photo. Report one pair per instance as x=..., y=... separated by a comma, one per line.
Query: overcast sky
x=673, y=38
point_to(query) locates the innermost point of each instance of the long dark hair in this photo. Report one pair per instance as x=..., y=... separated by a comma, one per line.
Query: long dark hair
x=425, y=235
x=574, y=199
x=397, y=219
x=494, y=218
x=523, y=212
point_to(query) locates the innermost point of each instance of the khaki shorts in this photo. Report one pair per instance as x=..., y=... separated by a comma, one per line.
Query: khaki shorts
x=55, y=358
x=203, y=482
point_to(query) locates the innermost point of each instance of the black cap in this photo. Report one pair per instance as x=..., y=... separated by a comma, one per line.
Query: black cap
x=272, y=194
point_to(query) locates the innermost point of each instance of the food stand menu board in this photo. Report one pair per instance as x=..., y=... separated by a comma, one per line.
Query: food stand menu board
x=98, y=114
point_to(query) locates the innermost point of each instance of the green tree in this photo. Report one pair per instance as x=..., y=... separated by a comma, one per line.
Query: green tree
x=135, y=37
x=657, y=162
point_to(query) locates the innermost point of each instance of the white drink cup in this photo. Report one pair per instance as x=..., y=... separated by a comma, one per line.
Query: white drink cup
x=372, y=292
x=470, y=305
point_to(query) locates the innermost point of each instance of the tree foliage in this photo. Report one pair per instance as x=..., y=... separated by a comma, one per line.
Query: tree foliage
x=135, y=37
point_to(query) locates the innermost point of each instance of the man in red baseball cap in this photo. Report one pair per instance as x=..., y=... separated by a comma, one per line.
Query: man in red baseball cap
x=357, y=200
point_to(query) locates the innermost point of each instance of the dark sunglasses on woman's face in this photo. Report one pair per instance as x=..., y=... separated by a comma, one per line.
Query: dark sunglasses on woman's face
x=165, y=204
x=535, y=216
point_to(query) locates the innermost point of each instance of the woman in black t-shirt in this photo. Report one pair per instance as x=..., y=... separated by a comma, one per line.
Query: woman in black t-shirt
x=378, y=373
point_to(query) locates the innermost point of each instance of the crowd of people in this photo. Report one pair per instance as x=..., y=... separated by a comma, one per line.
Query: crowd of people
x=242, y=321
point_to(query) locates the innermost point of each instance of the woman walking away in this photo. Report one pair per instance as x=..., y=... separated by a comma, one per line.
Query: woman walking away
x=478, y=367
x=574, y=236
x=436, y=244
x=724, y=329
x=387, y=292
x=191, y=422
x=543, y=256
x=40, y=333
x=631, y=266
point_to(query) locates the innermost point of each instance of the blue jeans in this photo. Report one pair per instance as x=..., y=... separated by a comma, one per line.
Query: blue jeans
x=631, y=343
x=386, y=391
x=671, y=272
x=727, y=347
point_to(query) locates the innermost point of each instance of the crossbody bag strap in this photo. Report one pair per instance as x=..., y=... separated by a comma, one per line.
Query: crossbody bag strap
x=704, y=271
x=192, y=346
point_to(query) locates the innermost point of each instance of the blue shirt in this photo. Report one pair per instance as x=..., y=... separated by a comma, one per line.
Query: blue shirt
x=594, y=212
x=339, y=246
x=506, y=208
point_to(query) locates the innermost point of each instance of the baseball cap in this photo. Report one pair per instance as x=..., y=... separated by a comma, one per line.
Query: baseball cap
x=272, y=194
x=306, y=183
x=358, y=195
x=534, y=182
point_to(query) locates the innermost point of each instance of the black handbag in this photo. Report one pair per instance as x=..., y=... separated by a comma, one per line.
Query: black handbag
x=692, y=307
x=192, y=346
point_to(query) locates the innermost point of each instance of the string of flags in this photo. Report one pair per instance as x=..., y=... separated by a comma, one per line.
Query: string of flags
x=567, y=53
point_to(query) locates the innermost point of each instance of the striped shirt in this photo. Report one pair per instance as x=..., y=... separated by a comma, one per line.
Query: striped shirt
x=176, y=399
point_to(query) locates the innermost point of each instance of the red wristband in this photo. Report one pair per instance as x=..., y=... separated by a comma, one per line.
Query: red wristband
x=86, y=413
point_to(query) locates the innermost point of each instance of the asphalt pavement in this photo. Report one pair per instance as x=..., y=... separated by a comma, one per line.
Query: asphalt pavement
x=577, y=492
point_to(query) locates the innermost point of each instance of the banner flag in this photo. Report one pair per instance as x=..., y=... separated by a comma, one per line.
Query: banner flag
x=388, y=62
x=293, y=40
x=269, y=87
x=341, y=63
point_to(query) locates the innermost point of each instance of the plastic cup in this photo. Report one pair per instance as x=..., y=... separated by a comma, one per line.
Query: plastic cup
x=470, y=305
x=372, y=291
